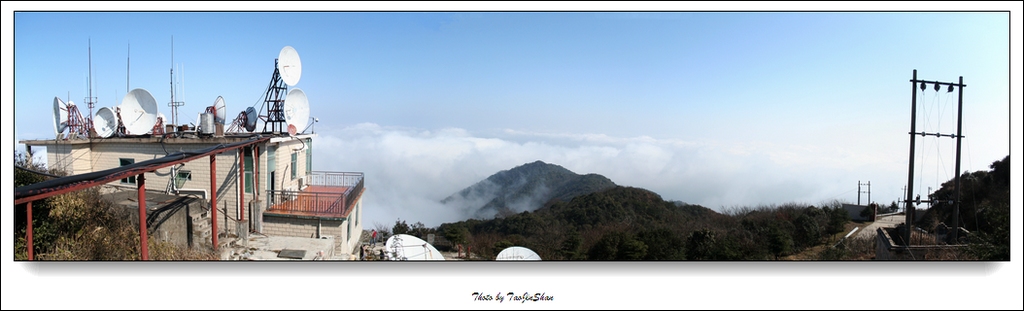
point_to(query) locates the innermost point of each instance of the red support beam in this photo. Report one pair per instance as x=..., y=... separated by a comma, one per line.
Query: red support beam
x=144, y=240
x=256, y=173
x=213, y=197
x=241, y=184
x=28, y=233
x=255, y=181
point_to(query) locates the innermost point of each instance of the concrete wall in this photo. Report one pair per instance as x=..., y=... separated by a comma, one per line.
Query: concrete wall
x=179, y=220
x=71, y=158
x=346, y=232
x=275, y=225
x=854, y=211
x=283, y=167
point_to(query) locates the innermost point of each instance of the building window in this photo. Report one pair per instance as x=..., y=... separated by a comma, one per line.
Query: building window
x=182, y=177
x=309, y=155
x=295, y=157
x=248, y=169
x=124, y=162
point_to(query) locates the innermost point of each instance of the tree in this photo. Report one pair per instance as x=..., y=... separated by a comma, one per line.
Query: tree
x=400, y=227
x=869, y=211
x=618, y=246
x=457, y=234
x=700, y=245
x=570, y=248
x=662, y=244
x=779, y=242
x=837, y=219
x=808, y=232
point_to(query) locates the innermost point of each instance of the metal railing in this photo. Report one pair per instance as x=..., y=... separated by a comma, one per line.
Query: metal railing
x=319, y=202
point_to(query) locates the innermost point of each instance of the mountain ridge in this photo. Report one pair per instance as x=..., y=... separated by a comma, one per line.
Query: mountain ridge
x=526, y=187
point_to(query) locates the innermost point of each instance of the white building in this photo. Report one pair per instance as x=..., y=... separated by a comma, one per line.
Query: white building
x=281, y=194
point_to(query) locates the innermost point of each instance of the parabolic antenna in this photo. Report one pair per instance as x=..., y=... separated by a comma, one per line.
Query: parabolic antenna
x=517, y=253
x=220, y=111
x=296, y=109
x=138, y=112
x=161, y=117
x=250, y=119
x=105, y=122
x=289, y=66
x=407, y=247
x=60, y=116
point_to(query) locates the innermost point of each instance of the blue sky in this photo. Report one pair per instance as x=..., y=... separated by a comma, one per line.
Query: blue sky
x=722, y=109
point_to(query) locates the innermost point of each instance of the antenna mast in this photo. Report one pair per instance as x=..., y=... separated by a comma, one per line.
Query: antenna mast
x=174, y=104
x=91, y=101
x=128, y=72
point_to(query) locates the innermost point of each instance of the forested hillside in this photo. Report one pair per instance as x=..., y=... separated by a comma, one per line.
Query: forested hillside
x=524, y=188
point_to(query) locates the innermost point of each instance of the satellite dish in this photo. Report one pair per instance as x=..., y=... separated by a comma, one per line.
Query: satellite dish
x=105, y=122
x=138, y=112
x=60, y=117
x=291, y=130
x=296, y=108
x=250, y=119
x=517, y=253
x=289, y=66
x=161, y=117
x=407, y=247
x=220, y=111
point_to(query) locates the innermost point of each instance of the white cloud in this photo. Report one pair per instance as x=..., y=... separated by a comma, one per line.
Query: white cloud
x=408, y=171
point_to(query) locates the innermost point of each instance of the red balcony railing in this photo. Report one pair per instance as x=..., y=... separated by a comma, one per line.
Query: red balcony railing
x=328, y=194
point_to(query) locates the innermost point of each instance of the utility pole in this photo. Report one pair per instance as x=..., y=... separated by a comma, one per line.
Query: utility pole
x=911, y=200
x=859, y=191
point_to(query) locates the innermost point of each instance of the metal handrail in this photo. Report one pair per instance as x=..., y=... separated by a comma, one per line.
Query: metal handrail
x=279, y=199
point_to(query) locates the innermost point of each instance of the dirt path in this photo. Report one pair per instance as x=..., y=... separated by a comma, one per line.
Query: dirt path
x=881, y=222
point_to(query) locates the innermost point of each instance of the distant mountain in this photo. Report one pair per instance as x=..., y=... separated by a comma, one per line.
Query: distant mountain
x=527, y=187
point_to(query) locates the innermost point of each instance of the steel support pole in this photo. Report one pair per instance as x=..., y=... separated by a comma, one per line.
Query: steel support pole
x=910, y=208
x=213, y=198
x=255, y=184
x=241, y=184
x=28, y=232
x=143, y=238
x=956, y=183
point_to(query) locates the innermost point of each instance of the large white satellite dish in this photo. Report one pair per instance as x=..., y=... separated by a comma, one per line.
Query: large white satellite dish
x=60, y=117
x=220, y=111
x=289, y=66
x=407, y=247
x=138, y=112
x=517, y=253
x=105, y=122
x=296, y=109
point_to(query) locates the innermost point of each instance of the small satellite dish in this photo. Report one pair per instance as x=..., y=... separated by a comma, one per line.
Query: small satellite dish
x=517, y=253
x=60, y=117
x=138, y=112
x=296, y=108
x=220, y=111
x=160, y=116
x=407, y=247
x=289, y=66
x=250, y=119
x=105, y=122
x=291, y=130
